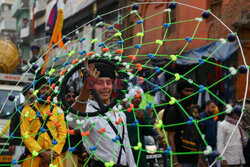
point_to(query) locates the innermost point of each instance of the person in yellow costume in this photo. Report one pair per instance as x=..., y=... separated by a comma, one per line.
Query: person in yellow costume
x=45, y=151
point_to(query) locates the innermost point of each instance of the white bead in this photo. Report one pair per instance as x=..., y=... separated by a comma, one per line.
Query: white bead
x=223, y=41
x=120, y=107
x=190, y=81
x=124, y=63
x=109, y=55
x=125, y=99
x=208, y=150
x=133, y=11
x=116, y=57
x=229, y=109
x=232, y=70
x=127, y=66
x=99, y=24
x=167, y=10
x=69, y=118
x=60, y=111
x=198, y=19
x=55, y=100
x=105, y=54
x=80, y=61
x=78, y=122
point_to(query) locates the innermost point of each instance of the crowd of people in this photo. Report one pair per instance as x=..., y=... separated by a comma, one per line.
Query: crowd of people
x=41, y=135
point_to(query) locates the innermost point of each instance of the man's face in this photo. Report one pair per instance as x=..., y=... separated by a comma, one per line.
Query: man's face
x=35, y=51
x=210, y=108
x=70, y=98
x=29, y=96
x=196, y=112
x=104, y=87
x=187, y=92
x=45, y=91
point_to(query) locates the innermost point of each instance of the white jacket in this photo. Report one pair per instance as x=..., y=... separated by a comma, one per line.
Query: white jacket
x=234, y=152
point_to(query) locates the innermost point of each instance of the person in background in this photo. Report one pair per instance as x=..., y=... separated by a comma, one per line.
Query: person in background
x=209, y=128
x=196, y=110
x=16, y=147
x=143, y=117
x=42, y=116
x=183, y=138
x=35, y=59
x=233, y=155
x=74, y=139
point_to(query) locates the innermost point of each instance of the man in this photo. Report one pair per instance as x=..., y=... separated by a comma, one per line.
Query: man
x=43, y=128
x=143, y=117
x=74, y=139
x=16, y=146
x=209, y=128
x=233, y=155
x=182, y=138
x=196, y=111
x=104, y=148
x=35, y=59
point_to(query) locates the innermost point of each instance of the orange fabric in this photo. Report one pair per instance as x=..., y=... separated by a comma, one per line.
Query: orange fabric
x=30, y=125
x=56, y=36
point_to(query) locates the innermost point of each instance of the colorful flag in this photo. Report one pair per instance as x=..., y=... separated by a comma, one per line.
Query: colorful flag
x=52, y=16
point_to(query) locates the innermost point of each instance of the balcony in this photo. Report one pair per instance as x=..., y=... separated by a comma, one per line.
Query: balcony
x=6, y=2
x=40, y=8
x=18, y=6
x=8, y=24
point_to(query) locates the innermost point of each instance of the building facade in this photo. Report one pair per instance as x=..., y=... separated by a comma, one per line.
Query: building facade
x=7, y=23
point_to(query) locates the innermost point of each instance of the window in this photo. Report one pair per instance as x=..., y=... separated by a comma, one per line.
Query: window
x=215, y=7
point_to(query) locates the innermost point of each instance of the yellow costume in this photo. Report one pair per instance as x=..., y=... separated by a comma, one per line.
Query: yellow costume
x=30, y=125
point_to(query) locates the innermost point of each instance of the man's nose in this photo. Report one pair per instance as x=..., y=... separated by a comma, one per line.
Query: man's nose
x=72, y=99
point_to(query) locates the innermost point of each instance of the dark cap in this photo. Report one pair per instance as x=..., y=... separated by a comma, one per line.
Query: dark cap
x=105, y=70
x=182, y=84
x=35, y=47
x=26, y=88
x=41, y=80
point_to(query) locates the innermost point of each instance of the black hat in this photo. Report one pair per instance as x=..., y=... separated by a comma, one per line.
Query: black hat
x=41, y=80
x=26, y=88
x=182, y=84
x=105, y=70
x=35, y=47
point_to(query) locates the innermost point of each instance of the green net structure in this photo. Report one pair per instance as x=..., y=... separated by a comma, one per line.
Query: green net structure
x=65, y=61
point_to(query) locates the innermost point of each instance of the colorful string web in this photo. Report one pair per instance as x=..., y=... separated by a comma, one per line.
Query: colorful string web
x=117, y=52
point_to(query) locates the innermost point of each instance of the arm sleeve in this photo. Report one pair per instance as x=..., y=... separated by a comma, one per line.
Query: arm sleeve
x=29, y=142
x=221, y=139
x=61, y=132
